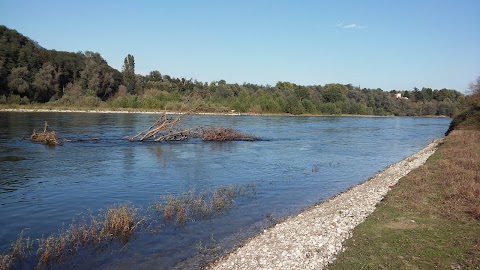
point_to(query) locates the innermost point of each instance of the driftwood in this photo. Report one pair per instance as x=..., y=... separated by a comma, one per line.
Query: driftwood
x=49, y=138
x=225, y=134
x=165, y=129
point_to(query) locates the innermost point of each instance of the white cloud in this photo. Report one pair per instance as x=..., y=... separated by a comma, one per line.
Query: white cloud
x=350, y=26
x=353, y=25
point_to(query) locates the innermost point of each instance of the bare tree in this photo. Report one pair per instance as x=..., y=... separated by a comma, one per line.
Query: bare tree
x=475, y=92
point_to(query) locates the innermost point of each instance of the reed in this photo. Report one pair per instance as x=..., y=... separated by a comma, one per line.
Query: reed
x=19, y=250
x=117, y=222
x=191, y=206
x=121, y=221
x=5, y=261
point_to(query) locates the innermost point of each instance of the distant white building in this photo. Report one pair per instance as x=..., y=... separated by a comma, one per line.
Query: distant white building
x=399, y=95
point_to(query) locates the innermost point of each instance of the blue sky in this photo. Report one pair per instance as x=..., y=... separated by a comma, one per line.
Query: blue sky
x=373, y=44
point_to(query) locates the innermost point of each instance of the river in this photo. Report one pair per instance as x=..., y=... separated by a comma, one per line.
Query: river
x=298, y=161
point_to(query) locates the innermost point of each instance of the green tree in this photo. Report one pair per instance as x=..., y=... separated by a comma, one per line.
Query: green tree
x=96, y=77
x=153, y=80
x=3, y=76
x=334, y=92
x=128, y=71
x=45, y=83
x=90, y=77
x=427, y=94
x=18, y=80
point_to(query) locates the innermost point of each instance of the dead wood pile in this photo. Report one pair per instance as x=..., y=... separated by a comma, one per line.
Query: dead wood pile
x=225, y=134
x=49, y=138
x=165, y=129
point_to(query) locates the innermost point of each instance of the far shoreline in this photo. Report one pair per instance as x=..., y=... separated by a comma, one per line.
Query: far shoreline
x=133, y=111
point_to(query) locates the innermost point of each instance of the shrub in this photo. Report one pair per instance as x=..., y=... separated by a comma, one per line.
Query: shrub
x=16, y=99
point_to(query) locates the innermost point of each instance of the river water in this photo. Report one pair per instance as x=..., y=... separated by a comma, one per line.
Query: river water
x=298, y=161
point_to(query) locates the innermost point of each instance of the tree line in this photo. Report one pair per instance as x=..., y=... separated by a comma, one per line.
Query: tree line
x=30, y=74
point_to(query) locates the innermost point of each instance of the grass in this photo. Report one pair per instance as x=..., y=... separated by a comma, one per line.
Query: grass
x=20, y=250
x=191, y=206
x=119, y=223
x=431, y=220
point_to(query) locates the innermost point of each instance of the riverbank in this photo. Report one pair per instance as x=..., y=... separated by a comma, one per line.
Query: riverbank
x=431, y=220
x=134, y=111
x=313, y=238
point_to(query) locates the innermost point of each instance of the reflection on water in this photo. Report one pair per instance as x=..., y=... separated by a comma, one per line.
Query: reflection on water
x=298, y=161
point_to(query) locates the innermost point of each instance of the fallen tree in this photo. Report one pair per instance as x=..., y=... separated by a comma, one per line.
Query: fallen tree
x=165, y=129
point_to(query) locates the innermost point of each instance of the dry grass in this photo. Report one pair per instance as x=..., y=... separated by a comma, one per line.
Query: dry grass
x=225, y=134
x=454, y=178
x=19, y=250
x=191, y=206
x=5, y=262
x=440, y=202
x=118, y=222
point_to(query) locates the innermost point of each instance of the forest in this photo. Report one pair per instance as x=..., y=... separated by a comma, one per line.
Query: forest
x=31, y=75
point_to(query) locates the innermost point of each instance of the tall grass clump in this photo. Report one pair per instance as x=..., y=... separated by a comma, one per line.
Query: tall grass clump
x=19, y=250
x=119, y=223
x=197, y=206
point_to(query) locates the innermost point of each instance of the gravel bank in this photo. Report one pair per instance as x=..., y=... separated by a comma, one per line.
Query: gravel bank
x=312, y=239
x=118, y=111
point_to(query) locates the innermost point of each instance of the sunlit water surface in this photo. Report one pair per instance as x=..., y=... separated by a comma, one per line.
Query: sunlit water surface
x=297, y=162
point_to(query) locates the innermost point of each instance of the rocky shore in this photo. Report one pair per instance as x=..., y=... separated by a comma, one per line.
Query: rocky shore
x=311, y=239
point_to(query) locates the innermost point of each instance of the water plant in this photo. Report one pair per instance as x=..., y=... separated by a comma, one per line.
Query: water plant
x=118, y=223
x=196, y=206
x=208, y=249
x=19, y=250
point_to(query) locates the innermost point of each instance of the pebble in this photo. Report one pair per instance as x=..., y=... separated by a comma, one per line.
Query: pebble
x=313, y=238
